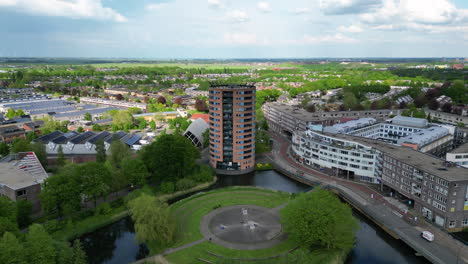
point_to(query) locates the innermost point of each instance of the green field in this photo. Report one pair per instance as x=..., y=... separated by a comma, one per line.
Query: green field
x=208, y=66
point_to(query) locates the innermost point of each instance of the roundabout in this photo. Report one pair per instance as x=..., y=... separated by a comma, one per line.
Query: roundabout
x=243, y=227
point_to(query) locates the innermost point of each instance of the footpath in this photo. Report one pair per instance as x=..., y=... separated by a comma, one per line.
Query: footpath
x=397, y=222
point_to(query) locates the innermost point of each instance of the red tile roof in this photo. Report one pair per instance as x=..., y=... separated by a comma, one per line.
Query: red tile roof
x=205, y=117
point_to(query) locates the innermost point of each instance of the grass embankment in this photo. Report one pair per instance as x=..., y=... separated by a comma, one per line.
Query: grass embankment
x=263, y=166
x=72, y=229
x=190, y=212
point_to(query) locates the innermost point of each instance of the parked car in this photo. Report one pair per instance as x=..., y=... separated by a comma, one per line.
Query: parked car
x=427, y=235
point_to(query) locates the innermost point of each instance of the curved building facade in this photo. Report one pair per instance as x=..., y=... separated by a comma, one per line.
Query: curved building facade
x=232, y=128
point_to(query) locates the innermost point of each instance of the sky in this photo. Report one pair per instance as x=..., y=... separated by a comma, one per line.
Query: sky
x=182, y=29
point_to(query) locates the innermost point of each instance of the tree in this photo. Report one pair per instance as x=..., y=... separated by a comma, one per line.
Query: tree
x=142, y=123
x=119, y=97
x=178, y=100
x=161, y=100
x=40, y=150
x=97, y=127
x=420, y=100
x=39, y=246
x=200, y=105
x=30, y=136
x=310, y=108
x=170, y=157
x=117, y=152
x=95, y=180
x=60, y=156
x=100, y=151
x=319, y=218
x=88, y=117
x=433, y=104
x=350, y=100
x=61, y=192
x=123, y=119
x=80, y=129
x=133, y=171
x=20, y=145
x=11, y=249
x=152, y=125
x=79, y=256
x=153, y=221
x=23, y=213
x=4, y=149
x=7, y=215
x=447, y=107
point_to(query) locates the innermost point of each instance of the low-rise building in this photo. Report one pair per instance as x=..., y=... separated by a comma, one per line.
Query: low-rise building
x=195, y=132
x=9, y=133
x=459, y=155
x=21, y=176
x=114, y=103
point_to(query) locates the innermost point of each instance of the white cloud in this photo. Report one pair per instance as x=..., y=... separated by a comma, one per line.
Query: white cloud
x=419, y=15
x=337, y=38
x=215, y=3
x=157, y=6
x=240, y=39
x=264, y=7
x=341, y=7
x=237, y=16
x=79, y=9
x=300, y=10
x=350, y=29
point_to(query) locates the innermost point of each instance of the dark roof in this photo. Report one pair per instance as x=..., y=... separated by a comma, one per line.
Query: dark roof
x=134, y=139
x=10, y=129
x=100, y=136
x=49, y=137
x=82, y=138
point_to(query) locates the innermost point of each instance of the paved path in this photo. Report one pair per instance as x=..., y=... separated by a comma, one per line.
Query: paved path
x=444, y=249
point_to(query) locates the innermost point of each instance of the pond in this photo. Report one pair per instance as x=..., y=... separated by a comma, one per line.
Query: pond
x=115, y=244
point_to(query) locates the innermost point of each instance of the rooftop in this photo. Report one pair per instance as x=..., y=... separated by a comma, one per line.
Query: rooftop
x=461, y=149
x=425, y=136
x=422, y=161
x=21, y=170
x=410, y=121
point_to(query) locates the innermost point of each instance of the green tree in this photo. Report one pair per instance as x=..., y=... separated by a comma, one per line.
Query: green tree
x=88, y=117
x=60, y=157
x=95, y=180
x=142, y=123
x=100, y=151
x=61, y=192
x=7, y=215
x=350, y=101
x=134, y=171
x=40, y=150
x=11, y=250
x=39, y=246
x=170, y=157
x=20, y=145
x=23, y=213
x=4, y=149
x=152, y=125
x=319, y=218
x=123, y=120
x=30, y=136
x=80, y=129
x=153, y=221
x=79, y=256
x=117, y=152
x=97, y=127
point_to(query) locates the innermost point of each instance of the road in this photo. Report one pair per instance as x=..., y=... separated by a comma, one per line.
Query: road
x=444, y=249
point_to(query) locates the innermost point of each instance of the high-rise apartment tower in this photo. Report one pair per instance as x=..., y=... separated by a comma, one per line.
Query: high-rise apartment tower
x=232, y=128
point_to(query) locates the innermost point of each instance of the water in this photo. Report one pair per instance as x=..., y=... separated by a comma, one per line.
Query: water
x=116, y=244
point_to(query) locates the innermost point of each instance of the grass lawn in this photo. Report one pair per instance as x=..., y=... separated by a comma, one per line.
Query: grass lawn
x=190, y=211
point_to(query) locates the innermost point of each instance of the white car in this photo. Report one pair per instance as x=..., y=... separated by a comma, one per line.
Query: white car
x=427, y=235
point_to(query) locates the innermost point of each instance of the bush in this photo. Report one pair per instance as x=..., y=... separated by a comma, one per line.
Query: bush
x=145, y=190
x=52, y=226
x=167, y=187
x=184, y=184
x=204, y=174
x=103, y=209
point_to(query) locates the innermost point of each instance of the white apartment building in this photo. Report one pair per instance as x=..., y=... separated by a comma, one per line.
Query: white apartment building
x=346, y=157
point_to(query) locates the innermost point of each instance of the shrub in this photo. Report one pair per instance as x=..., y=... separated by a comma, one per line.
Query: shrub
x=52, y=226
x=204, y=174
x=184, y=184
x=103, y=209
x=167, y=187
x=145, y=190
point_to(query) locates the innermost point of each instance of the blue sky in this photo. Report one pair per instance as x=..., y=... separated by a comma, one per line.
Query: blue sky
x=234, y=28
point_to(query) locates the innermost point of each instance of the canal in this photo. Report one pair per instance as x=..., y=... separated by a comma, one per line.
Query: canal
x=115, y=243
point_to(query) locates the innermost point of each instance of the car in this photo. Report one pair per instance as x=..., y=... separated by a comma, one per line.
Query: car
x=427, y=235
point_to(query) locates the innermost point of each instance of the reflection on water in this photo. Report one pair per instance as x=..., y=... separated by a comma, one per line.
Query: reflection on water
x=373, y=245
x=115, y=243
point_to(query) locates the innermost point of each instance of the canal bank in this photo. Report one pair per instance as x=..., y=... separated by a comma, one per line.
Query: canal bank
x=116, y=244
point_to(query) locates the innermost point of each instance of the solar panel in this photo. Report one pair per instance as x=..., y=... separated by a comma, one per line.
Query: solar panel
x=99, y=136
x=49, y=137
x=134, y=139
x=82, y=138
